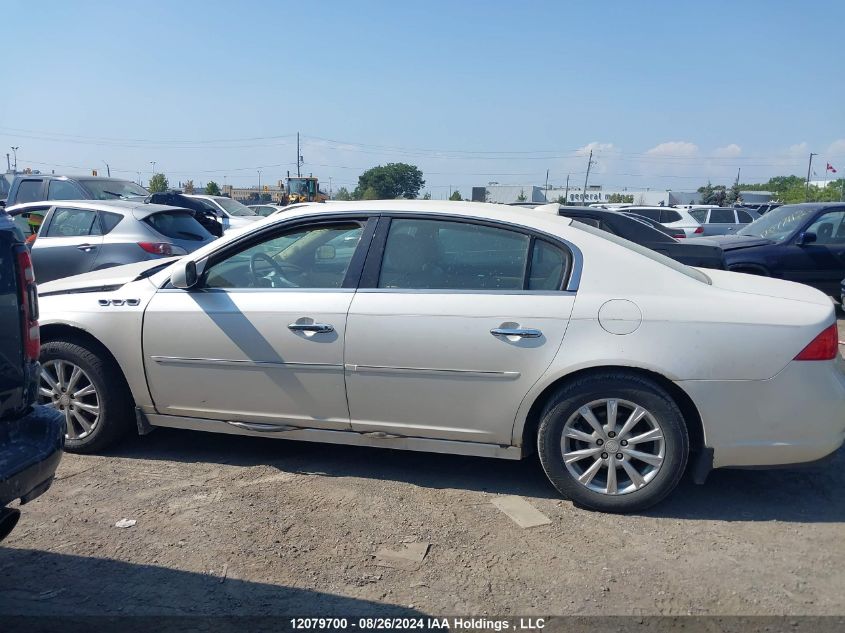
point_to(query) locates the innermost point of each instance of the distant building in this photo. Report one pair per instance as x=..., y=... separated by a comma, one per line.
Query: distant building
x=756, y=197
x=507, y=194
x=252, y=194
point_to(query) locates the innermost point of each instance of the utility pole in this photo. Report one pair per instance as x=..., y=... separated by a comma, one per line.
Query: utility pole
x=547, y=182
x=566, y=192
x=108, y=169
x=15, y=151
x=153, y=163
x=737, y=176
x=299, y=160
x=8, y=164
x=809, y=167
x=331, y=197
x=586, y=179
x=139, y=179
x=259, y=183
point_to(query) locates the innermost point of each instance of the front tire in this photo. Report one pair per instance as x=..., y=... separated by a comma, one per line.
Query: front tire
x=89, y=390
x=613, y=442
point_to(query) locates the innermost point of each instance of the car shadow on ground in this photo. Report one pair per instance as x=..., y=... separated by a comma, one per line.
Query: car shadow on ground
x=51, y=585
x=809, y=494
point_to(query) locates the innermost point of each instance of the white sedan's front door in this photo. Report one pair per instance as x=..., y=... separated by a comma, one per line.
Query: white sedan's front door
x=465, y=319
x=260, y=341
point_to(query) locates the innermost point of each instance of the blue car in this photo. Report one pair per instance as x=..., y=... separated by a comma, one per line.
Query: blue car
x=797, y=242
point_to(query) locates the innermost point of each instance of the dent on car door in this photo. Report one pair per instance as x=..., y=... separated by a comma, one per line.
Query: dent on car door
x=450, y=328
x=259, y=341
x=68, y=244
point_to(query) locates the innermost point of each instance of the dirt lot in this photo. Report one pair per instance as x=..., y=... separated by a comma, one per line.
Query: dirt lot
x=229, y=525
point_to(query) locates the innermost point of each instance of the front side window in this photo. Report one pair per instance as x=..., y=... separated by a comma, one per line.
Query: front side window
x=445, y=255
x=69, y=222
x=722, y=216
x=63, y=190
x=829, y=228
x=309, y=257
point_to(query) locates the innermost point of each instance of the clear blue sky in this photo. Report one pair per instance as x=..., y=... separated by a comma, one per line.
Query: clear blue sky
x=669, y=93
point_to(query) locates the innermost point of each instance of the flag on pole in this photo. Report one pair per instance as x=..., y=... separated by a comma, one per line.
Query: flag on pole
x=831, y=168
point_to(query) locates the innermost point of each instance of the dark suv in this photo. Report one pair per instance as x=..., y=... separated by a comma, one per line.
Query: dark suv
x=38, y=187
x=31, y=437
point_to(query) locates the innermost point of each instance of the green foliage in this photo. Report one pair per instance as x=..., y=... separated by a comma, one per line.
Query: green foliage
x=733, y=196
x=158, y=183
x=521, y=197
x=266, y=197
x=212, y=189
x=792, y=189
x=456, y=196
x=343, y=194
x=427, y=195
x=370, y=194
x=562, y=200
x=394, y=180
x=188, y=187
x=618, y=198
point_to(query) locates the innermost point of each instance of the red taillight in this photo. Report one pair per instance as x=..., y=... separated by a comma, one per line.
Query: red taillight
x=699, y=230
x=680, y=236
x=824, y=347
x=157, y=248
x=28, y=294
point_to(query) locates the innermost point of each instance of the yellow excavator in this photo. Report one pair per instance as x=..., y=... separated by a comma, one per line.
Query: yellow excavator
x=302, y=189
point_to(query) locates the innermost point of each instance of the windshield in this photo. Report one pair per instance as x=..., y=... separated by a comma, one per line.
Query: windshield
x=104, y=189
x=301, y=186
x=233, y=207
x=646, y=252
x=779, y=224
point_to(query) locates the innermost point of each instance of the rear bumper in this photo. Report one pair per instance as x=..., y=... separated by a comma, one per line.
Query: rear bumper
x=795, y=417
x=30, y=451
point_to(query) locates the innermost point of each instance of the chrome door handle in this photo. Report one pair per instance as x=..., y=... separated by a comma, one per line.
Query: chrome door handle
x=319, y=328
x=85, y=247
x=520, y=332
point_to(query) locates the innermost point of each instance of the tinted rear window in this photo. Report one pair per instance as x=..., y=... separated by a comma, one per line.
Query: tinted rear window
x=699, y=214
x=29, y=191
x=667, y=216
x=178, y=225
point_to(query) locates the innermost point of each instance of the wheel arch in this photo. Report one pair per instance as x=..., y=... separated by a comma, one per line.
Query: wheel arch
x=72, y=334
x=690, y=413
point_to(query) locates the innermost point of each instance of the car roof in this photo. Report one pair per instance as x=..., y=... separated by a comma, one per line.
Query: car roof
x=136, y=208
x=71, y=177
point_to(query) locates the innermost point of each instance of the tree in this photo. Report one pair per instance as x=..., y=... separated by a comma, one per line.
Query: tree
x=521, y=197
x=456, y=196
x=158, y=183
x=733, y=195
x=265, y=197
x=212, y=189
x=618, y=198
x=562, y=200
x=394, y=180
x=189, y=186
x=343, y=194
x=370, y=194
x=427, y=195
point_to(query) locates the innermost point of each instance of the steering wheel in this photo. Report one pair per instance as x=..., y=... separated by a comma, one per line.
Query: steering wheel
x=276, y=276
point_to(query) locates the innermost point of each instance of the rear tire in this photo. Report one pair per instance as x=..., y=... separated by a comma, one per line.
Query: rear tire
x=619, y=422
x=89, y=389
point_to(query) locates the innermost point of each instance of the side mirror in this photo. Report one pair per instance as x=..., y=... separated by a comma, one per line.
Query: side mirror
x=184, y=274
x=807, y=237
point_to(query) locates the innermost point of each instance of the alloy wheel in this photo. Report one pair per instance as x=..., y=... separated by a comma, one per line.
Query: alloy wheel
x=66, y=387
x=613, y=446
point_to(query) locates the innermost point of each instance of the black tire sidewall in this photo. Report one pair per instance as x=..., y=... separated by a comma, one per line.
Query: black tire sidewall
x=633, y=389
x=110, y=393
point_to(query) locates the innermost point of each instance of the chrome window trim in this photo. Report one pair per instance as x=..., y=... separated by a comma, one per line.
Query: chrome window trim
x=461, y=291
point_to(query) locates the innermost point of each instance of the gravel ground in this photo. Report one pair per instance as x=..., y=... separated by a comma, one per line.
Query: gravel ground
x=230, y=525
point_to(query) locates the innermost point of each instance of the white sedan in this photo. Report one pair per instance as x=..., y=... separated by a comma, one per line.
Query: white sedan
x=461, y=328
